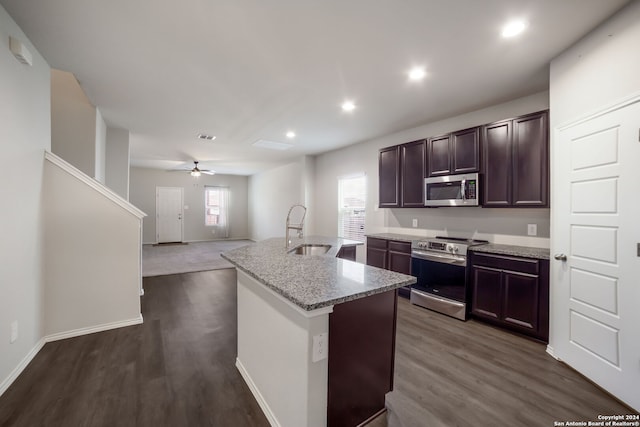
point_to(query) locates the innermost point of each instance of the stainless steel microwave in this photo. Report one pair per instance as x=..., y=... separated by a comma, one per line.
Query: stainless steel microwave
x=452, y=190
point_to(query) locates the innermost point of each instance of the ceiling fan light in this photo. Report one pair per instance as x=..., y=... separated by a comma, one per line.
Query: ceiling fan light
x=195, y=172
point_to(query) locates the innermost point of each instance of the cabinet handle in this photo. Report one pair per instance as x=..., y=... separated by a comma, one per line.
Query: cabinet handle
x=560, y=257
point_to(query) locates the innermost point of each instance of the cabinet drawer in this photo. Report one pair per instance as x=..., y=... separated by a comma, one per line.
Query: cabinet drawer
x=376, y=243
x=404, y=247
x=523, y=265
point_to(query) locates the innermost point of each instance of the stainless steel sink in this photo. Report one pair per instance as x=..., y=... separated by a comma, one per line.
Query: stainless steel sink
x=311, y=249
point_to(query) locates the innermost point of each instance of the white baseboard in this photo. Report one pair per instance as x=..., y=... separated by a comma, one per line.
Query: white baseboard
x=93, y=329
x=256, y=393
x=23, y=364
x=551, y=353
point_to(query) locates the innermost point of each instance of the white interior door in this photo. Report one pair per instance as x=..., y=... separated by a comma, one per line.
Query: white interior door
x=596, y=214
x=169, y=214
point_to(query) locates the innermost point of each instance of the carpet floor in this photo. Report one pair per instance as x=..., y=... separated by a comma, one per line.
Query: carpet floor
x=160, y=260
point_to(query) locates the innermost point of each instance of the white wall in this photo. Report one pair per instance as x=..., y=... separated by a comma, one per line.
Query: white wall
x=143, y=195
x=24, y=135
x=273, y=192
x=500, y=225
x=600, y=69
x=101, y=147
x=117, y=161
x=92, y=257
x=73, y=123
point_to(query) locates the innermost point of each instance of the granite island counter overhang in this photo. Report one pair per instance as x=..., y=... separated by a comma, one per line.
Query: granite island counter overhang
x=316, y=334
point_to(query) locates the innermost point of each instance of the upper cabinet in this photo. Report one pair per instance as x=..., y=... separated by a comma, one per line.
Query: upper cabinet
x=412, y=158
x=389, y=177
x=514, y=167
x=401, y=175
x=455, y=153
x=516, y=162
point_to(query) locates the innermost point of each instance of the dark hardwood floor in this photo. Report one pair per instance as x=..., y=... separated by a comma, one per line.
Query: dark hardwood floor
x=470, y=373
x=177, y=369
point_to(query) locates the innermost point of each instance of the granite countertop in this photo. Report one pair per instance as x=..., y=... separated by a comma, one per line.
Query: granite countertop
x=313, y=281
x=394, y=236
x=523, y=251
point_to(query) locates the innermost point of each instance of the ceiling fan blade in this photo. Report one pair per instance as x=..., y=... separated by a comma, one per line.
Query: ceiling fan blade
x=207, y=172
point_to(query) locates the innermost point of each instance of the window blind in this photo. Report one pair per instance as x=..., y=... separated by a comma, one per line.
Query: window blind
x=351, y=207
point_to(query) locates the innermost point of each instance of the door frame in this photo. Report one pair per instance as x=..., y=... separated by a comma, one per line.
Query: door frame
x=181, y=212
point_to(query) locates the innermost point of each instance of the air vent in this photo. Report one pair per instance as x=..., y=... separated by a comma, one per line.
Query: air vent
x=206, y=137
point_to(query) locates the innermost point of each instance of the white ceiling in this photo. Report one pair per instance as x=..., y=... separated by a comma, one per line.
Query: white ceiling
x=245, y=70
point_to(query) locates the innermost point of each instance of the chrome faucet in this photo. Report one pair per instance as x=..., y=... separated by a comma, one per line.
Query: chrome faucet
x=297, y=227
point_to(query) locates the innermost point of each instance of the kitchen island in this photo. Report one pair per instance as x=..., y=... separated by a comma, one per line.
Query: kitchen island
x=316, y=333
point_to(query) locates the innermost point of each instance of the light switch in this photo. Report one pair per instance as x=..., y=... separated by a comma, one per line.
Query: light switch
x=414, y=222
x=532, y=229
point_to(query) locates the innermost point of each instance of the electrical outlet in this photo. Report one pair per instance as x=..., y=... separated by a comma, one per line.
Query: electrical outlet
x=414, y=222
x=14, y=331
x=532, y=229
x=320, y=348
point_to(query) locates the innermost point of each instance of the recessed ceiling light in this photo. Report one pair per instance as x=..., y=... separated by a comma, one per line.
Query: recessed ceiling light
x=348, y=106
x=513, y=28
x=206, y=137
x=291, y=134
x=417, y=73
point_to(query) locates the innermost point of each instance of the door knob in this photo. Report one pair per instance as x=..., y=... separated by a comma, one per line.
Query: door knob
x=560, y=257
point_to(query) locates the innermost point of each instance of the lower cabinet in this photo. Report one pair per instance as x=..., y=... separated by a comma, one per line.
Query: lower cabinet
x=512, y=292
x=377, y=252
x=394, y=255
x=347, y=252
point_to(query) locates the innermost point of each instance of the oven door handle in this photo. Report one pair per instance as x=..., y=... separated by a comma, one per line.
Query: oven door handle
x=445, y=259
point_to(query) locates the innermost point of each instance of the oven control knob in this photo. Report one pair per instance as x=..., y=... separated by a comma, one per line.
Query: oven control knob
x=454, y=249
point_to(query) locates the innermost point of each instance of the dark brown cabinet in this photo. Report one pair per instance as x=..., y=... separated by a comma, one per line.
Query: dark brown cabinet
x=516, y=162
x=399, y=257
x=412, y=157
x=512, y=292
x=401, y=175
x=455, y=153
x=389, y=177
x=391, y=255
x=361, y=363
x=377, y=252
x=438, y=156
x=347, y=252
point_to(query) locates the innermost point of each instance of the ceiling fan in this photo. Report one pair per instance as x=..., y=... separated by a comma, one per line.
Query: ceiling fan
x=196, y=171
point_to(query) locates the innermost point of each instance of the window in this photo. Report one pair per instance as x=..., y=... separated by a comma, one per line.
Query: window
x=216, y=205
x=352, y=193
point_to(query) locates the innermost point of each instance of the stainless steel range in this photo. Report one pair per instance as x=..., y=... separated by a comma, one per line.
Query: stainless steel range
x=440, y=266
